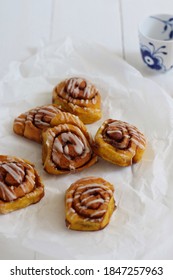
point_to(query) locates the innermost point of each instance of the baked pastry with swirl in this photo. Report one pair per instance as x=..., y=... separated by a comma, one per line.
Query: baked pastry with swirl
x=33, y=122
x=20, y=184
x=119, y=142
x=89, y=204
x=79, y=97
x=67, y=146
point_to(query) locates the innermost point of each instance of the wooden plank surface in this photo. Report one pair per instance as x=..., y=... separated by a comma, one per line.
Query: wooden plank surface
x=23, y=26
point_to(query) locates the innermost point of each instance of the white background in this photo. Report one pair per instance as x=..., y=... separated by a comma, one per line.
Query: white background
x=27, y=25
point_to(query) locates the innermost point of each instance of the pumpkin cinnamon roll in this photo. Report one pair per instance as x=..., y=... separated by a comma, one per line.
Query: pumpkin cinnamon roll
x=89, y=204
x=66, y=146
x=33, y=122
x=119, y=142
x=20, y=184
x=79, y=97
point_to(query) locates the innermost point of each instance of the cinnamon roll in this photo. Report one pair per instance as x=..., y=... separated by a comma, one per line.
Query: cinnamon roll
x=20, y=184
x=119, y=142
x=89, y=204
x=79, y=97
x=67, y=146
x=33, y=122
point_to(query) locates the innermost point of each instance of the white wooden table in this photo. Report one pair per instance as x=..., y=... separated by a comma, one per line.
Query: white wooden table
x=27, y=25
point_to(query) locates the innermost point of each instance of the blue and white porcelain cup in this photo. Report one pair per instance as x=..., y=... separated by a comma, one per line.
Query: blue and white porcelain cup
x=156, y=41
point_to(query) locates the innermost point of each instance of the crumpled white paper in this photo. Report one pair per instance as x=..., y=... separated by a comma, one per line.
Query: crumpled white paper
x=142, y=225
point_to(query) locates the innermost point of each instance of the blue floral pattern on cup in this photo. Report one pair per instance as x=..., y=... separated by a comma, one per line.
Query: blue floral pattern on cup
x=153, y=57
x=168, y=26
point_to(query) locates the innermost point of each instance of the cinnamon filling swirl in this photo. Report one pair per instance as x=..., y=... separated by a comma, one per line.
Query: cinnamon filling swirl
x=70, y=149
x=91, y=201
x=89, y=204
x=42, y=116
x=16, y=180
x=121, y=135
x=78, y=89
x=32, y=123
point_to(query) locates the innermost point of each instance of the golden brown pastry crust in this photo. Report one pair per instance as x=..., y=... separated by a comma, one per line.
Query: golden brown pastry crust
x=89, y=204
x=79, y=97
x=20, y=184
x=119, y=143
x=33, y=122
x=67, y=145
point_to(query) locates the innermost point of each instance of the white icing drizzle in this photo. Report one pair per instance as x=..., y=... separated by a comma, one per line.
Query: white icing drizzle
x=71, y=166
x=93, y=220
x=71, y=191
x=30, y=177
x=86, y=198
x=73, y=87
x=58, y=145
x=96, y=187
x=71, y=210
x=19, y=120
x=35, y=115
x=134, y=135
x=77, y=196
x=18, y=174
x=72, y=213
x=91, y=190
x=14, y=170
x=94, y=101
x=78, y=145
x=99, y=200
x=87, y=90
x=7, y=192
x=69, y=200
x=24, y=188
x=45, y=110
x=115, y=130
x=66, y=149
x=97, y=213
x=88, y=195
x=38, y=121
x=78, y=141
x=49, y=111
x=81, y=206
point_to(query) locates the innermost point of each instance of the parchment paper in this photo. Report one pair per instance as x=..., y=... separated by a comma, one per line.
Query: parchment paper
x=142, y=225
